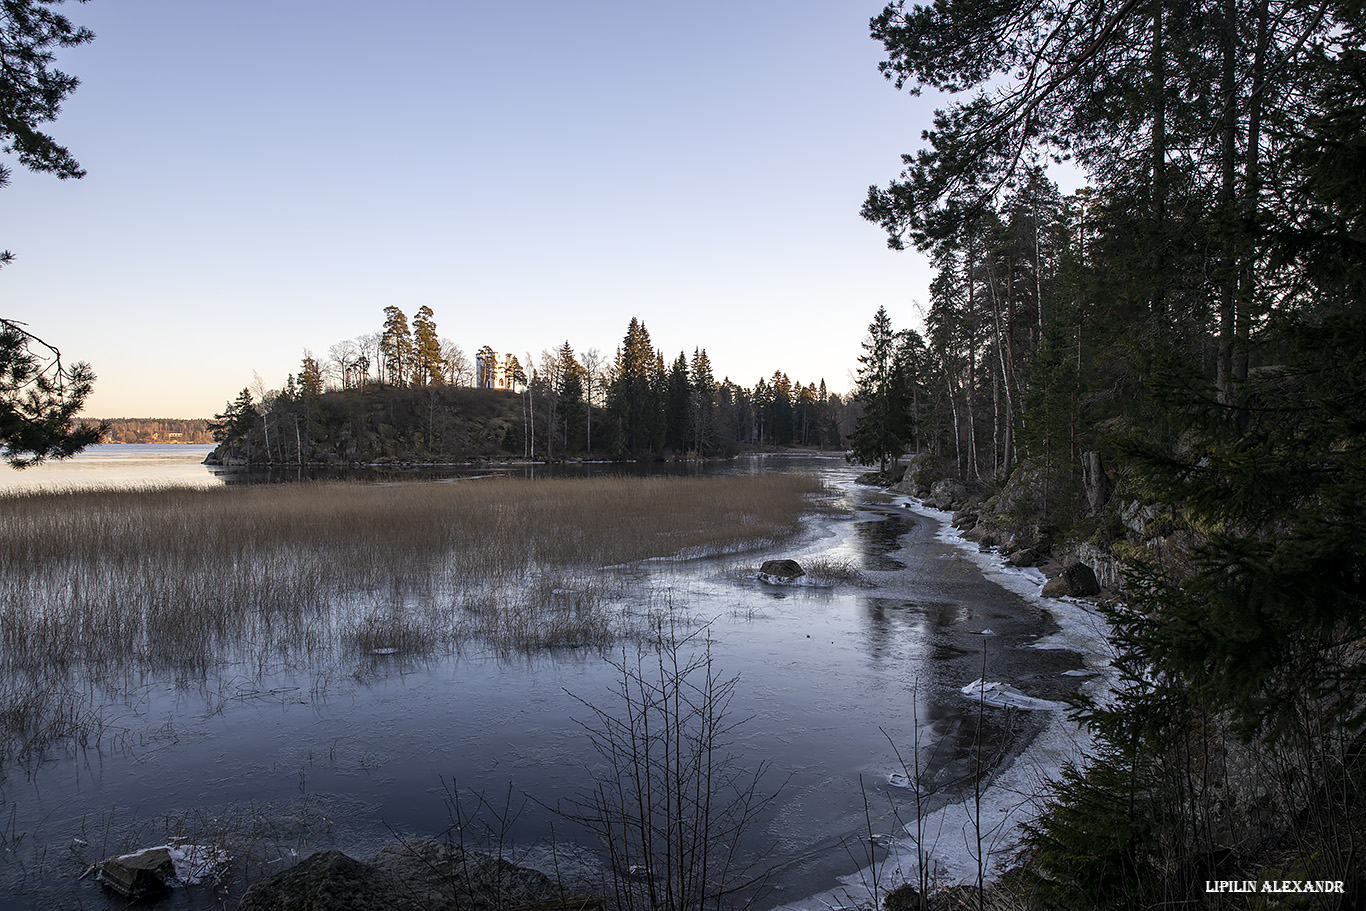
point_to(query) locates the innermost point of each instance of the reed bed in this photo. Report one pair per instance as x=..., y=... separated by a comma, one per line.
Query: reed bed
x=181, y=581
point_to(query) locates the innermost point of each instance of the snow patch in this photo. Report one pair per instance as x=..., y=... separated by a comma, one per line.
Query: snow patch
x=1001, y=696
x=195, y=862
x=807, y=581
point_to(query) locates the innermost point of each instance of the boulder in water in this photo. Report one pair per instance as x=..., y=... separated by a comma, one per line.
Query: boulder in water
x=780, y=571
x=140, y=874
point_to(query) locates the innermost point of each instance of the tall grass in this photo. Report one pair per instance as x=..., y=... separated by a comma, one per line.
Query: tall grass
x=97, y=585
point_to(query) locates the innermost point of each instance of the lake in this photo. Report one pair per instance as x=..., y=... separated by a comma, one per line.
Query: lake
x=840, y=691
x=120, y=465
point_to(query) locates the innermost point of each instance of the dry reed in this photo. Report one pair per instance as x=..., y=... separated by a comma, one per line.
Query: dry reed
x=181, y=581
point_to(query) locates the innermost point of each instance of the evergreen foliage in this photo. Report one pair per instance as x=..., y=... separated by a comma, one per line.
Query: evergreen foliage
x=429, y=363
x=39, y=400
x=32, y=89
x=396, y=347
x=1197, y=315
x=881, y=432
x=562, y=408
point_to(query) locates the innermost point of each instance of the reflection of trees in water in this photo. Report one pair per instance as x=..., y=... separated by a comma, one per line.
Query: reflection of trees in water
x=876, y=540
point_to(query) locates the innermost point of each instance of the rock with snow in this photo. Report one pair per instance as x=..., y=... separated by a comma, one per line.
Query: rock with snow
x=140, y=874
x=780, y=571
x=151, y=871
x=1024, y=557
x=1076, y=581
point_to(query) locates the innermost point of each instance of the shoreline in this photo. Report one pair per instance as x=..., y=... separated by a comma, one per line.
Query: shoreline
x=1010, y=797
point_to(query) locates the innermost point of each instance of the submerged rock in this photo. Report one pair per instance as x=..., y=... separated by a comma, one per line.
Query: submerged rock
x=1076, y=581
x=780, y=571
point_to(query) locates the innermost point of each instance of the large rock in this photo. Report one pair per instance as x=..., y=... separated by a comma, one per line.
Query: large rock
x=1096, y=482
x=1076, y=581
x=327, y=881
x=140, y=874
x=780, y=571
x=419, y=874
x=947, y=494
x=439, y=875
x=921, y=472
x=904, y=898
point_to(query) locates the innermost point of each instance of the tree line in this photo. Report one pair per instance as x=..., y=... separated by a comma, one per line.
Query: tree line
x=1195, y=315
x=569, y=404
x=152, y=430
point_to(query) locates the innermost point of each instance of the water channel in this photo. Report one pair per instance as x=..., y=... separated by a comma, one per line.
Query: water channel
x=842, y=691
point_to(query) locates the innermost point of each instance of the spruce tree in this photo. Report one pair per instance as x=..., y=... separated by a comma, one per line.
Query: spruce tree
x=880, y=433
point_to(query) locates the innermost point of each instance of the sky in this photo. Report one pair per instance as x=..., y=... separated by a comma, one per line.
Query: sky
x=266, y=177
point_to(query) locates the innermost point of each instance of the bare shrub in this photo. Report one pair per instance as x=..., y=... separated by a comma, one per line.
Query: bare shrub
x=671, y=802
x=832, y=571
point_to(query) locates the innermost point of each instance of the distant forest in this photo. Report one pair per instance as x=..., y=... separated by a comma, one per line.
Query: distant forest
x=154, y=430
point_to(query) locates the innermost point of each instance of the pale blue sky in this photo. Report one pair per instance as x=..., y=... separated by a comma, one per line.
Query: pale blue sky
x=266, y=177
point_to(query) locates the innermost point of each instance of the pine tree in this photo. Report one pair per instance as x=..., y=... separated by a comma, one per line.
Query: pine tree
x=486, y=368
x=310, y=378
x=428, y=359
x=39, y=400
x=396, y=347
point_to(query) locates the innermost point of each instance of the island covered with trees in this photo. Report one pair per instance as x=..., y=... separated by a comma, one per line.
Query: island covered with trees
x=406, y=395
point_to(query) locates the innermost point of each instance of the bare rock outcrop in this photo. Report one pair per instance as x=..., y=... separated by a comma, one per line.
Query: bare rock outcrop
x=1077, y=580
x=419, y=874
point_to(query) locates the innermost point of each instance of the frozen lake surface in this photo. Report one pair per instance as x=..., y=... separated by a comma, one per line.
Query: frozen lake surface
x=839, y=686
x=120, y=465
